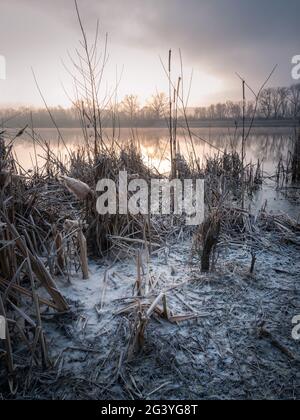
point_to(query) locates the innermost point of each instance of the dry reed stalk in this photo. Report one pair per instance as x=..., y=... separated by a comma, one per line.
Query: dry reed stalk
x=39, y=330
x=142, y=310
x=139, y=274
x=137, y=340
x=264, y=333
x=39, y=269
x=253, y=262
x=59, y=250
x=165, y=306
x=25, y=292
x=83, y=255
x=210, y=232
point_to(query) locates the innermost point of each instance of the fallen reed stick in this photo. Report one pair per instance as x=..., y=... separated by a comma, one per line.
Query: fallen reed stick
x=39, y=269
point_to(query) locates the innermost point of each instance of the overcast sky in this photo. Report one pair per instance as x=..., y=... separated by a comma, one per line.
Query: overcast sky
x=217, y=39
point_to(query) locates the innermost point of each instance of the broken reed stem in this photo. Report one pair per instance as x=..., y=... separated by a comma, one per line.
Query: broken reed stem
x=139, y=274
x=210, y=236
x=253, y=262
x=59, y=250
x=83, y=255
x=39, y=269
x=25, y=292
x=165, y=307
x=39, y=330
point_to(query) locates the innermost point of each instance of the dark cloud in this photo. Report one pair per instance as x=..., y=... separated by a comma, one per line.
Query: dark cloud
x=222, y=36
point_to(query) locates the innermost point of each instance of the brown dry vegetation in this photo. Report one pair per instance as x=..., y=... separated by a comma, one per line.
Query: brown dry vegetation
x=49, y=228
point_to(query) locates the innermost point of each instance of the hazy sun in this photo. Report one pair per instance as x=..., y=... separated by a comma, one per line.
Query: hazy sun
x=207, y=85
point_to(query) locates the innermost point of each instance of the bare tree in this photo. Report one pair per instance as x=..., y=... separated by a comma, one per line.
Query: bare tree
x=221, y=111
x=200, y=113
x=284, y=95
x=130, y=106
x=294, y=98
x=250, y=109
x=159, y=105
x=237, y=111
x=278, y=98
x=266, y=102
x=211, y=112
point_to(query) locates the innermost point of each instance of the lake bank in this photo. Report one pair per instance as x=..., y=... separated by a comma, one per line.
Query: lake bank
x=161, y=124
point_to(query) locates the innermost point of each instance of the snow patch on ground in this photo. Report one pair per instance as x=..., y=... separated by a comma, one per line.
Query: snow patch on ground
x=217, y=355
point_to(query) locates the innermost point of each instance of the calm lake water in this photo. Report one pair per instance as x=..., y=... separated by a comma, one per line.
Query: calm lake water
x=266, y=144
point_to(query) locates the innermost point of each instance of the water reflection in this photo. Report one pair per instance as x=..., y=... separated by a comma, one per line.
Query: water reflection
x=268, y=144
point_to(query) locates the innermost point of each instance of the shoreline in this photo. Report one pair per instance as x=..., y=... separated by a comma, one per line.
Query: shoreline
x=192, y=124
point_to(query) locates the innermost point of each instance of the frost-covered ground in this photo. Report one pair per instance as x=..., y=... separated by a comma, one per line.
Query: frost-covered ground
x=222, y=353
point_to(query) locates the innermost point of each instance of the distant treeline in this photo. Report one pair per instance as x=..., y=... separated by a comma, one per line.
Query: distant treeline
x=275, y=104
